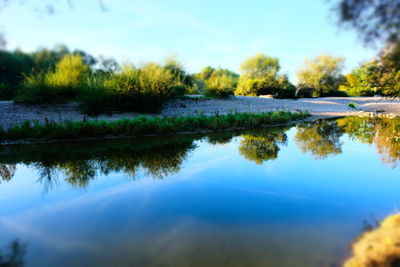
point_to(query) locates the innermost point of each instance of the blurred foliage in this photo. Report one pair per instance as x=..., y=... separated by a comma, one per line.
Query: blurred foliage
x=14, y=255
x=374, y=20
x=379, y=246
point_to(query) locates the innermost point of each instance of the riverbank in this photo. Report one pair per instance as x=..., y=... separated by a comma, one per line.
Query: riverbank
x=14, y=114
x=36, y=132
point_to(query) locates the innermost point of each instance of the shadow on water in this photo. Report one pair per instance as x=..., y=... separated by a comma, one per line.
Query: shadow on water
x=13, y=256
x=79, y=162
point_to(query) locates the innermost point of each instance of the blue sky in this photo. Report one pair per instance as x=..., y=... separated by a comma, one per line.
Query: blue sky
x=218, y=33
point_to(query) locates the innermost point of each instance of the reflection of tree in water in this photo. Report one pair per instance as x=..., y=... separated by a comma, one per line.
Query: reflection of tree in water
x=7, y=171
x=262, y=146
x=81, y=163
x=378, y=247
x=383, y=132
x=320, y=138
x=14, y=255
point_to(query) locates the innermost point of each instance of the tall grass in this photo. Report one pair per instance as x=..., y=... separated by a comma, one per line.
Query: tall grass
x=143, y=125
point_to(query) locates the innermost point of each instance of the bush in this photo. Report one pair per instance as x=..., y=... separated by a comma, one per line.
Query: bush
x=304, y=92
x=279, y=87
x=36, y=89
x=13, y=66
x=54, y=87
x=95, y=98
x=352, y=105
x=220, y=86
x=132, y=89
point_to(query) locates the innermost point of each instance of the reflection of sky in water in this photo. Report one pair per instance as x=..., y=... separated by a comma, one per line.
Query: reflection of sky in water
x=219, y=209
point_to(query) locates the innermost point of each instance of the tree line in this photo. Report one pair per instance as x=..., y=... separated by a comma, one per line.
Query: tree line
x=100, y=84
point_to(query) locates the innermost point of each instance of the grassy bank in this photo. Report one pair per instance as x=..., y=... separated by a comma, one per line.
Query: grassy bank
x=144, y=125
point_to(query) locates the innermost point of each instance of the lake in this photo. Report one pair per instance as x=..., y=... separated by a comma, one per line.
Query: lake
x=282, y=196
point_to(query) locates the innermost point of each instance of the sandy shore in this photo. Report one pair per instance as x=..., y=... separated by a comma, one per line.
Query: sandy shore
x=11, y=114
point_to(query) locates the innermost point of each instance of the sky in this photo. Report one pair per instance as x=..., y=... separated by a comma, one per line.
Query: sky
x=219, y=33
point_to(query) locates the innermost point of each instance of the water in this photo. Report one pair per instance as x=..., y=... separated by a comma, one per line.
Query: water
x=291, y=196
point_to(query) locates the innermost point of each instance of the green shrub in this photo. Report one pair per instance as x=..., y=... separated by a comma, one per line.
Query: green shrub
x=304, y=92
x=219, y=86
x=36, y=89
x=94, y=97
x=54, y=87
x=13, y=67
x=132, y=89
x=352, y=105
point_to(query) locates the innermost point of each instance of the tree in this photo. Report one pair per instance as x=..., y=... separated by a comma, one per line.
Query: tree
x=389, y=70
x=377, y=21
x=260, y=76
x=363, y=81
x=205, y=73
x=178, y=70
x=70, y=72
x=46, y=59
x=374, y=20
x=260, y=66
x=322, y=75
x=217, y=82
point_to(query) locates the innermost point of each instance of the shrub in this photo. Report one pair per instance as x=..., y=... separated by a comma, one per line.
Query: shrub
x=13, y=66
x=219, y=86
x=36, y=89
x=53, y=87
x=94, y=97
x=132, y=89
x=280, y=87
x=352, y=105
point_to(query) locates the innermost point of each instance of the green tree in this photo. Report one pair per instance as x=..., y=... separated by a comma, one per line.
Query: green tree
x=217, y=82
x=46, y=59
x=260, y=66
x=178, y=71
x=321, y=75
x=260, y=76
x=362, y=81
x=71, y=72
x=220, y=85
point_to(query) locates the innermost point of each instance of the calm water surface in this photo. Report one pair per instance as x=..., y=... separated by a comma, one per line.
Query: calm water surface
x=293, y=196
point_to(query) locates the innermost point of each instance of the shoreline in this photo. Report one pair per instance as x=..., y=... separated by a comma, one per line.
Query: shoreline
x=12, y=114
x=28, y=133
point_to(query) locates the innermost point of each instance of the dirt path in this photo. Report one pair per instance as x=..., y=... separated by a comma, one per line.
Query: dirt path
x=11, y=114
